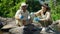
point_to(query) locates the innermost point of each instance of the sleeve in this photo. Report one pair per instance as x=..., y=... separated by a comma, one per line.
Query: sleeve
x=48, y=16
x=17, y=13
x=38, y=13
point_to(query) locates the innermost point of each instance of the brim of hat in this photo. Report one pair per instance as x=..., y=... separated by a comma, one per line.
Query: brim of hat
x=44, y=6
x=24, y=5
x=8, y=26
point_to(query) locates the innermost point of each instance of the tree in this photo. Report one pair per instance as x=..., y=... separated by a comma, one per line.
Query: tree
x=55, y=9
x=8, y=8
x=33, y=5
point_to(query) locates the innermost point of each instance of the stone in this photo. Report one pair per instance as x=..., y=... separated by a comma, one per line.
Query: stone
x=17, y=30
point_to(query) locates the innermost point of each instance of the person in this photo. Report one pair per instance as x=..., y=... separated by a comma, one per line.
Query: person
x=44, y=16
x=21, y=15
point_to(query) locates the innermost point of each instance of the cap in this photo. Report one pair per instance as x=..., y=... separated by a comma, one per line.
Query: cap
x=23, y=4
x=45, y=5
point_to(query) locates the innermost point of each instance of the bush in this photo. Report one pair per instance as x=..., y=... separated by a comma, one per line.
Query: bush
x=8, y=8
x=55, y=9
x=33, y=6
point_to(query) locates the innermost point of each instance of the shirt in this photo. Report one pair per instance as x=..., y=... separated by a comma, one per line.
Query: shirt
x=25, y=14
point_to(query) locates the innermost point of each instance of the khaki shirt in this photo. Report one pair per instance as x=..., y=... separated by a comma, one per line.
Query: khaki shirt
x=47, y=17
x=25, y=14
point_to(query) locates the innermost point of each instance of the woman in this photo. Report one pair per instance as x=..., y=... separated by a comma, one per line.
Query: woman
x=22, y=15
x=44, y=16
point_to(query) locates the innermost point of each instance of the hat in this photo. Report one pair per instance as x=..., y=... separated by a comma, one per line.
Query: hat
x=23, y=4
x=45, y=5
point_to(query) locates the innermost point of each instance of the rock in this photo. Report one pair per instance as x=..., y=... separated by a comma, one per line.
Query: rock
x=36, y=32
x=58, y=21
x=55, y=25
x=7, y=20
x=10, y=23
x=43, y=31
x=6, y=33
x=17, y=30
x=47, y=33
x=2, y=20
x=58, y=25
x=8, y=26
x=1, y=32
x=1, y=25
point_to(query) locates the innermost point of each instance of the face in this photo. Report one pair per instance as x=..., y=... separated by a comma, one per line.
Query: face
x=24, y=7
x=44, y=8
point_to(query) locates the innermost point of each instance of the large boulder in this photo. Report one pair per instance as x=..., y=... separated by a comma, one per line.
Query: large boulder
x=58, y=21
x=28, y=29
x=10, y=23
x=58, y=25
x=7, y=20
x=17, y=30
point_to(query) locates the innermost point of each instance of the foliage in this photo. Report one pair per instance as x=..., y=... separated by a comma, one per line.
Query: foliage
x=8, y=8
x=33, y=5
x=55, y=9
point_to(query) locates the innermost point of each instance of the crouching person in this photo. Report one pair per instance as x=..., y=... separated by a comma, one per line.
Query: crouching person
x=21, y=19
x=22, y=15
x=44, y=17
x=24, y=21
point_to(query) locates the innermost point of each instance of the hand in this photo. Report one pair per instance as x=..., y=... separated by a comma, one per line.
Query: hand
x=32, y=15
x=21, y=17
x=36, y=19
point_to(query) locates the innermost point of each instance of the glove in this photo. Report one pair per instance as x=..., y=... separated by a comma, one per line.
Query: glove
x=21, y=17
x=32, y=15
x=36, y=19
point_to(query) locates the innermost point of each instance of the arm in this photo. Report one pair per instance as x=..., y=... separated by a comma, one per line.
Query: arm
x=17, y=15
x=47, y=17
x=38, y=13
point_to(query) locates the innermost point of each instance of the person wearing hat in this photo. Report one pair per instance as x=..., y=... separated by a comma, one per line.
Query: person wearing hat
x=21, y=15
x=44, y=16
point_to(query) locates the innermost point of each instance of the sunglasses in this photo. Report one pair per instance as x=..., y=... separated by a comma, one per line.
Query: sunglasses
x=24, y=6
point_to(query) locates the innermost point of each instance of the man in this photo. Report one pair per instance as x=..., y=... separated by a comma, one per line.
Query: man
x=21, y=15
